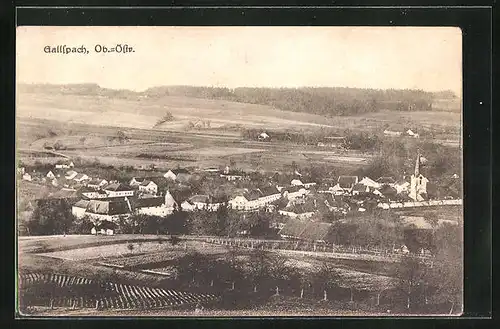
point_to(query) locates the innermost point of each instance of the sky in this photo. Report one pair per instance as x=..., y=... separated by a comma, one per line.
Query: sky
x=360, y=57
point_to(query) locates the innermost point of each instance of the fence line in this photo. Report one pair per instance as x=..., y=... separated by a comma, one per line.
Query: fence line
x=308, y=247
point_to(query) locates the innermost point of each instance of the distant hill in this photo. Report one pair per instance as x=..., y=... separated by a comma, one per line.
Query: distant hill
x=323, y=101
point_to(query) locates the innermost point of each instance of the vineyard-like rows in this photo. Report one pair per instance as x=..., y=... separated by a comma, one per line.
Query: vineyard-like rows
x=110, y=296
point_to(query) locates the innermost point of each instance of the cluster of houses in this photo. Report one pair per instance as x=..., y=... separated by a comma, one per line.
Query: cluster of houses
x=103, y=200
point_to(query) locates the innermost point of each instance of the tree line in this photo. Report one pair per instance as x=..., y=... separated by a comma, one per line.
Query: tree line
x=323, y=101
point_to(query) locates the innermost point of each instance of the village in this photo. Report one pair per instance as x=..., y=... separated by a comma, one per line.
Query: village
x=296, y=202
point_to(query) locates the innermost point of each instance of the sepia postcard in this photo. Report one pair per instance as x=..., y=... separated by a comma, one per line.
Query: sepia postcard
x=239, y=171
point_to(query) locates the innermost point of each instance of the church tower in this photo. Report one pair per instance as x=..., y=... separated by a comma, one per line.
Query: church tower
x=418, y=184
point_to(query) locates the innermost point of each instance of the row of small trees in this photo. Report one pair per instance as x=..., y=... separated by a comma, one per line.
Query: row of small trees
x=417, y=287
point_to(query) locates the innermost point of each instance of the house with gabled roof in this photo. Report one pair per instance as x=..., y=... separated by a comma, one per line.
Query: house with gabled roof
x=108, y=210
x=79, y=178
x=205, y=202
x=386, y=181
x=179, y=174
x=118, y=190
x=97, y=183
x=294, y=192
x=50, y=175
x=78, y=209
x=152, y=206
x=347, y=182
x=148, y=186
x=70, y=174
x=367, y=181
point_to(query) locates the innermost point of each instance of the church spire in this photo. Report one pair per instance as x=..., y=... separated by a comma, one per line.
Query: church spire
x=417, y=165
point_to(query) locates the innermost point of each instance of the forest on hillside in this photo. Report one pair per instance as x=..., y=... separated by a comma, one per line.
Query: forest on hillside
x=323, y=101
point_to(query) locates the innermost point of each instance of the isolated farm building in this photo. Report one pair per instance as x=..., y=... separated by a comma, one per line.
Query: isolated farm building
x=81, y=178
x=386, y=181
x=409, y=132
x=79, y=208
x=347, y=182
x=263, y=136
x=148, y=186
x=118, y=190
x=296, y=182
x=110, y=210
x=71, y=174
x=27, y=176
x=179, y=175
x=211, y=170
x=50, y=175
x=392, y=133
x=97, y=183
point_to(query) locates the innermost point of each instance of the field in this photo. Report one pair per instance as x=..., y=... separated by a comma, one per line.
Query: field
x=201, y=132
x=144, y=113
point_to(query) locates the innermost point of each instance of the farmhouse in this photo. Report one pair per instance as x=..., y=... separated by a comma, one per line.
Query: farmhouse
x=27, y=176
x=107, y=210
x=205, y=202
x=263, y=137
x=152, y=206
x=188, y=206
x=80, y=178
x=91, y=193
x=347, y=182
x=179, y=174
x=118, y=190
x=71, y=174
x=269, y=194
x=401, y=186
x=366, y=181
x=64, y=165
x=386, y=181
x=50, y=175
x=231, y=175
x=409, y=132
x=337, y=190
x=97, y=183
x=148, y=186
x=360, y=189
x=296, y=182
x=294, y=192
x=248, y=200
x=392, y=133
x=135, y=182
x=79, y=208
